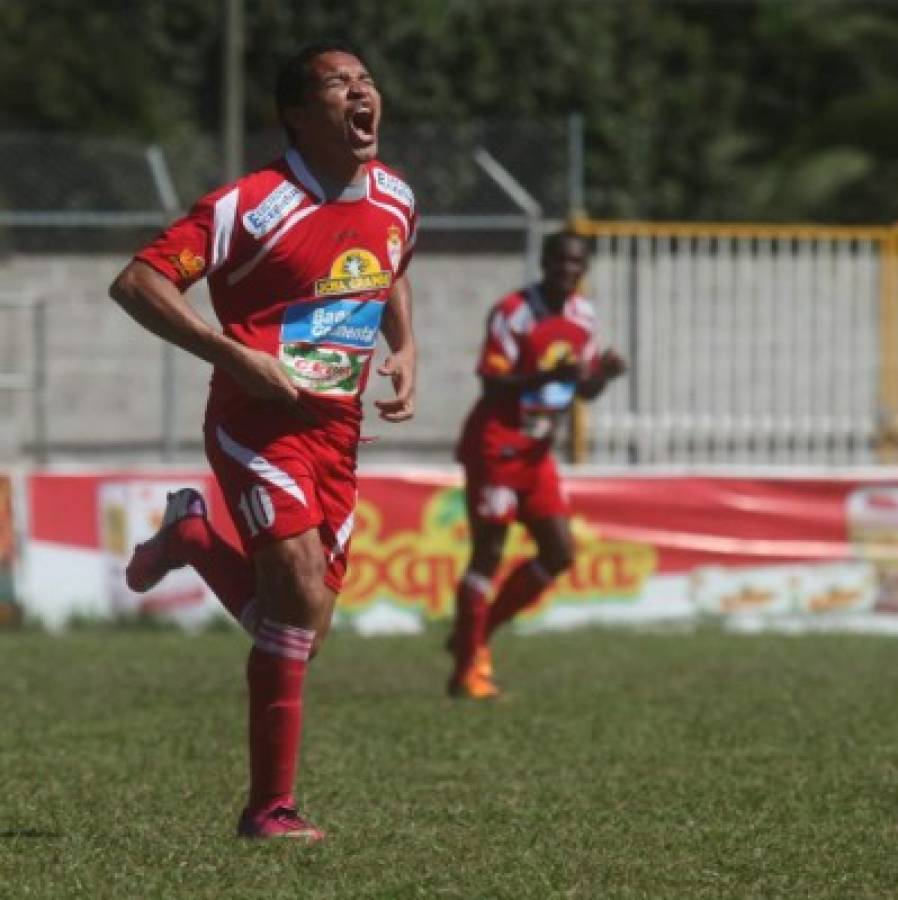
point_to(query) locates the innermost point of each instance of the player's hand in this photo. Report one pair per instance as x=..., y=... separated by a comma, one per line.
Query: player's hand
x=611, y=364
x=565, y=371
x=263, y=377
x=400, y=368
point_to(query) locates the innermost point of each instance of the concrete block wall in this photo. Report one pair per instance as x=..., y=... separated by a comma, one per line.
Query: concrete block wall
x=104, y=372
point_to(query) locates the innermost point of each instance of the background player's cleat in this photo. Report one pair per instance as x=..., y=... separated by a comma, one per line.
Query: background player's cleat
x=483, y=657
x=483, y=662
x=473, y=686
x=278, y=822
x=151, y=562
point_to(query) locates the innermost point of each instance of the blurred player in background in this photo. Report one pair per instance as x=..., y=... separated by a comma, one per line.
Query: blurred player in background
x=306, y=261
x=540, y=352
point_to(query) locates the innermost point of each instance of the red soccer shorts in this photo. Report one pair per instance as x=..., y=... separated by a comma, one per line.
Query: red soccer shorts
x=505, y=493
x=278, y=482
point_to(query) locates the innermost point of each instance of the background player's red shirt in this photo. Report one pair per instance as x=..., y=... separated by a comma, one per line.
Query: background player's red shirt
x=297, y=276
x=524, y=336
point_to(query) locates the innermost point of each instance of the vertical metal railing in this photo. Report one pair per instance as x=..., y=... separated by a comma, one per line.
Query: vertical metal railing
x=748, y=344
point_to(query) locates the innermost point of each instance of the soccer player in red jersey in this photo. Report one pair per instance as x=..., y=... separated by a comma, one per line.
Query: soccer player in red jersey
x=540, y=352
x=306, y=261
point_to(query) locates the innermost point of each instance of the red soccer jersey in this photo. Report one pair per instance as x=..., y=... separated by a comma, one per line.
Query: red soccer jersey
x=295, y=275
x=525, y=336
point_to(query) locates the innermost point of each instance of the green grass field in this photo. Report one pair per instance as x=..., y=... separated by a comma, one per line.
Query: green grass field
x=619, y=765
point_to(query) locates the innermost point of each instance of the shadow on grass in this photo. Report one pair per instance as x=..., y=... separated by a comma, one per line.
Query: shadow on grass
x=8, y=833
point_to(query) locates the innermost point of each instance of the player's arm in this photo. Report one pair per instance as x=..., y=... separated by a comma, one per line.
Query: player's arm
x=396, y=326
x=158, y=305
x=607, y=366
x=495, y=385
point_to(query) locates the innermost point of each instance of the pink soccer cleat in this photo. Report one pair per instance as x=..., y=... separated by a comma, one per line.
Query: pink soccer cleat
x=151, y=560
x=278, y=821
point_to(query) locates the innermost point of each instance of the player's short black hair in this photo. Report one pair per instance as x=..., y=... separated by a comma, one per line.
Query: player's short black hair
x=553, y=242
x=294, y=78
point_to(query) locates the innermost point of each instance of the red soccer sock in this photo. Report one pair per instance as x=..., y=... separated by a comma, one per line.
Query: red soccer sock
x=470, y=620
x=225, y=569
x=523, y=588
x=275, y=673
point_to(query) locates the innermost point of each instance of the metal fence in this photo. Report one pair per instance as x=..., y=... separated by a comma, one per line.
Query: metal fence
x=748, y=344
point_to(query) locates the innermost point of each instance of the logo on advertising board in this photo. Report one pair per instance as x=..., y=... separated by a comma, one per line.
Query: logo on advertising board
x=871, y=515
x=419, y=568
x=772, y=591
x=9, y=611
x=273, y=209
x=354, y=271
x=130, y=512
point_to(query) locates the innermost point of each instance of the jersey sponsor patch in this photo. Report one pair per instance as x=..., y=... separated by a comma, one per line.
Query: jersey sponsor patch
x=323, y=370
x=556, y=354
x=394, y=187
x=273, y=209
x=556, y=395
x=354, y=271
x=543, y=408
x=188, y=264
x=344, y=323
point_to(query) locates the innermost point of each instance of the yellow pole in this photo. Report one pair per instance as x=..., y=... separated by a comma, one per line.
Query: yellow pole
x=887, y=438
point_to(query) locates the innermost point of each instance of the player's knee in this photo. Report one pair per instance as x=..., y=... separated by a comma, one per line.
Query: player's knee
x=557, y=559
x=292, y=584
x=557, y=563
x=486, y=562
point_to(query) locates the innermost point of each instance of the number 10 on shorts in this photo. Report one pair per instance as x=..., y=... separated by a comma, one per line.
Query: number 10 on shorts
x=257, y=509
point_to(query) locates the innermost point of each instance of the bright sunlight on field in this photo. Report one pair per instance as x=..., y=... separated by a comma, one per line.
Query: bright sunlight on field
x=620, y=764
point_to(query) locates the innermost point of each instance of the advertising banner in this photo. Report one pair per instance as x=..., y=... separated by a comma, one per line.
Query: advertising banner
x=9, y=611
x=785, y=552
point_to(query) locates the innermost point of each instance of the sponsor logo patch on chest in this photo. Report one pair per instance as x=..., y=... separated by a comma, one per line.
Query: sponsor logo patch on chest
x=395, y=187
x=353, y=271
x=345, y=323
x=273, y=209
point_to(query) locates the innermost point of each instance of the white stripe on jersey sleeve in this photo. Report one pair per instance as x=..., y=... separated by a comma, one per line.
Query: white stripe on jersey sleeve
x=265, y=249
x=223, y=227
x=391, y=209
x=502, y=333
x=578, y=309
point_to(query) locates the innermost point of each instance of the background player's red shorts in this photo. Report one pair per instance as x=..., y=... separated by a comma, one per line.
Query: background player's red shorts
x=504, y=493
x=279, y=481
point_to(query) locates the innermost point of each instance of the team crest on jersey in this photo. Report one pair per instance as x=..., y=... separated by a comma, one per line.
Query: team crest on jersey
x=273, y=209
x=188, y=264
x=394, y=246
x=556, y=354
x=353, y=271
x=395, y=187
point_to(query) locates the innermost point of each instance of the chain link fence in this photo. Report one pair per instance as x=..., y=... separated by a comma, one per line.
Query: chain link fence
x=90, y=194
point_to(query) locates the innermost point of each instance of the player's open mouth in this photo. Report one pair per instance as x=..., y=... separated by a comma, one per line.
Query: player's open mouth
x=362, y=126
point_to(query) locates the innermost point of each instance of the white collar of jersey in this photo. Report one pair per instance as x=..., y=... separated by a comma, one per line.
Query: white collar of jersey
x=305, y=175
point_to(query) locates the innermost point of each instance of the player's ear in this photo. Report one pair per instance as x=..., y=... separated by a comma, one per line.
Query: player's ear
x=291, y=117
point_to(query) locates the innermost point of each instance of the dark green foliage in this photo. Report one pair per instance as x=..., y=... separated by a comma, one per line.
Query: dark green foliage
x=721, y=109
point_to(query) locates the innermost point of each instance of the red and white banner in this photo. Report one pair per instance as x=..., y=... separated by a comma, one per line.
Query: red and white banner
x=769, y=551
